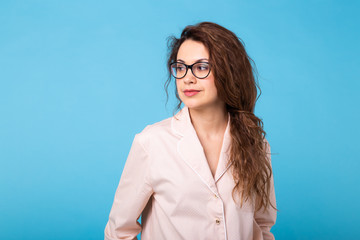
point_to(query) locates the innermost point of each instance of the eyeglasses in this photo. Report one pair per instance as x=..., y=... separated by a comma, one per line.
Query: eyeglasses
x=198, y=69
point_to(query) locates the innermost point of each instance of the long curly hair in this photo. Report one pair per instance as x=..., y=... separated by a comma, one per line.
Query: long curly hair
x=237, y=86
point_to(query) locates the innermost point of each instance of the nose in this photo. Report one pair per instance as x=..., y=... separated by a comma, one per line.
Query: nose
x=189, y=77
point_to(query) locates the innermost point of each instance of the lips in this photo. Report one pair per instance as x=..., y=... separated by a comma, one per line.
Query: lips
x=190, y=92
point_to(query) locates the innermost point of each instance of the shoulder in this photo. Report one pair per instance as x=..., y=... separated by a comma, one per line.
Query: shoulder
x=158, y=127
x=267, y=149
x=154, y=132
x=267, y=145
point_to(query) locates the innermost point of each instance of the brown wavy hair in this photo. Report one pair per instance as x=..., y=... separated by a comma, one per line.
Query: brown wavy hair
x=237, y=86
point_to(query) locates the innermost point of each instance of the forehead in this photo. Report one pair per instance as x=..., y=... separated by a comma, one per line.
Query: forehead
x=190, y=51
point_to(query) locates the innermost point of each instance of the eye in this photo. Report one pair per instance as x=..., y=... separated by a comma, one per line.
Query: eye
x=179, y=67
x=202, y=67
x=176, y=67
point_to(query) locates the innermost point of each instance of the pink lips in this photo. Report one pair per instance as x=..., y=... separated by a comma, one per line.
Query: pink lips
x=190, y=92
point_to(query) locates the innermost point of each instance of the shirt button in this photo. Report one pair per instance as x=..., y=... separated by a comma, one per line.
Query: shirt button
x=217, y=221
x=215, y=196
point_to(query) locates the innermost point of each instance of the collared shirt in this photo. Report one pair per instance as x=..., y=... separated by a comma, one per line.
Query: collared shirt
x=167, y=180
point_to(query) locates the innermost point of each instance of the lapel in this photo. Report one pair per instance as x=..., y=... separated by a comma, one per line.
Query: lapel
x=192, y=152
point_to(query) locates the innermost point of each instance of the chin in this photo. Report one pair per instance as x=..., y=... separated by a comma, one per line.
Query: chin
x=196, y=104
x=193, y=105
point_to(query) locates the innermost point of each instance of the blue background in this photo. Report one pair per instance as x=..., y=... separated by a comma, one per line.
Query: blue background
x=78, y=79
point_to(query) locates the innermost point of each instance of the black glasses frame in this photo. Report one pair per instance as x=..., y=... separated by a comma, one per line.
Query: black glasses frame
x=187, y=67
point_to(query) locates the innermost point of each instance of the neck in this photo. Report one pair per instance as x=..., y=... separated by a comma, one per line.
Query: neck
x=210, y=121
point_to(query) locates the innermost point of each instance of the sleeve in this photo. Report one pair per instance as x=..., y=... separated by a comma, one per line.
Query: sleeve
x=132, y=195
x=266, y=219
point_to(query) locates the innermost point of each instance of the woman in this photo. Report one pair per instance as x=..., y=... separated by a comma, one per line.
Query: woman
x=204, y=173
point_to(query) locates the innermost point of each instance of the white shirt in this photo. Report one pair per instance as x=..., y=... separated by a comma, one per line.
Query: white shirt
x=167, y=179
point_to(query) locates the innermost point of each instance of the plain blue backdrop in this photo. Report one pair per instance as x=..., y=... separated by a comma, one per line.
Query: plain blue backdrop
x=78, y=79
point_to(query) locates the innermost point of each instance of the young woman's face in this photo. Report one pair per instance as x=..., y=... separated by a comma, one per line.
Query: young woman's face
x=206, y=95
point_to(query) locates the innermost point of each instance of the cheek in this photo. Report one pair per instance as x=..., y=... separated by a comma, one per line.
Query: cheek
x=178, y=88
x=210, y=85
x=177, y=84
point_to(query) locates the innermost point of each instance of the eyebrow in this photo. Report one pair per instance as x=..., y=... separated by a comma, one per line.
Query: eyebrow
x=199, y=60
